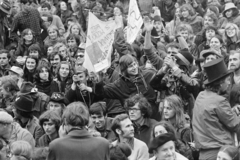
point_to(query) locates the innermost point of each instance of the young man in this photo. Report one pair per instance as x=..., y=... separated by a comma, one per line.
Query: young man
x=213, y=110
x=139, y=111
x=78, y=143
x=4, y=62
x=100, y=122
x=124, y=130
x=22, y=109
x=234, y=64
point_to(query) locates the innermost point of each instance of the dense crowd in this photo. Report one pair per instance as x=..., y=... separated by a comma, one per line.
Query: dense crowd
x=172, y=94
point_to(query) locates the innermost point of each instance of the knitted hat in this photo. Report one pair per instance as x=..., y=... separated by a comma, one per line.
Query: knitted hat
x=24, y=103
x=184, y=57
x=160, y=140
x=5, y=117
x=5, y=6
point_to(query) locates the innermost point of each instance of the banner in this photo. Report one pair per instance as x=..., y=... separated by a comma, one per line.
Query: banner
x=135, y=21
x=100, y=37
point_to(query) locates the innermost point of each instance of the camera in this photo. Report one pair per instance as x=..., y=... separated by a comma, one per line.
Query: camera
x=76, y=79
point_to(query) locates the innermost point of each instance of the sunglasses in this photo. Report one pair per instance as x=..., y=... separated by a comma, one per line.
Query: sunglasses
x=79, y=56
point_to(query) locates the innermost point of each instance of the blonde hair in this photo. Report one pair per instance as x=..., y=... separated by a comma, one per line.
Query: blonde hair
x=81, y=32
x=225, y=36
x=176, y=103
x=21, y=150
x=185, y=27
x=53, y=27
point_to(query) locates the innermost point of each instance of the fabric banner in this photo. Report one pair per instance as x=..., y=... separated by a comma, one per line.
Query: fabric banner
x=135, y=21
x=100, y=37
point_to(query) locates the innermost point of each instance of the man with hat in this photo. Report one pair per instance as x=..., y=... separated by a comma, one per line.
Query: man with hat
x=18, y=72
x=5, y=8
x=57, y=101
x=40, y=99
x=11, y=131
x=22, y=109
x=213, y=119
x=163, y=147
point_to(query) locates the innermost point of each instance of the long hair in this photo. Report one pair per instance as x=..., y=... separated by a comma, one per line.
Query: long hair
x=176, y=103
x=70, y=70
x=226, y=39
x=24, y=33
x=25, y=70
x=124, y=62
x=186, y=27
x=38, y=71
x=168, y=126
x=81, y=32
x=189, y=8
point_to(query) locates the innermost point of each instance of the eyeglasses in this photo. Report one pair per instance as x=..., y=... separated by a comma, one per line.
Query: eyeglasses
x=79, y=56
x=133, y=109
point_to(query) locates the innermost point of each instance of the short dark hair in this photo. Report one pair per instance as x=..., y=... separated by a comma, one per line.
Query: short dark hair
x=52, y=115
x=173, y=45
x=46, y=5
x=53, y=54
x=76, y=114
x=24, y=1
x=98, y=108
x=73, y=36
x=5, y=51
x=116, y=122
x=143, y=104
x=210, y=27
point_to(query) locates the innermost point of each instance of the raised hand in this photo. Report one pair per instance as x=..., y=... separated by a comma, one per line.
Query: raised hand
x=148, y=24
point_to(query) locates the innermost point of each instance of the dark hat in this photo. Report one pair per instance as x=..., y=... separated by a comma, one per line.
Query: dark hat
x=5, y=6
x=24, y=103
x=157, y=18
x=216, y=70
x=184, y=57
x=27, y=88
x=160, y=140
x=58, y=98
x=207, y=52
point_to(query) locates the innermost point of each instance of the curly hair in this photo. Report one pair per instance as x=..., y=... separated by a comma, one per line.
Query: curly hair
x=70, y=70
x=142, y=102
x=38, y=71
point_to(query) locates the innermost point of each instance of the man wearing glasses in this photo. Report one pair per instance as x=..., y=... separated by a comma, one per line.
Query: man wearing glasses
x=139, y=111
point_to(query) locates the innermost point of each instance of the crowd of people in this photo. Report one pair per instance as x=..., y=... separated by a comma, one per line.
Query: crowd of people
x=172, y=94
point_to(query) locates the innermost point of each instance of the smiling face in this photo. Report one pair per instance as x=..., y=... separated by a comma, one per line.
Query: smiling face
x=98, y=120
x=132, y=69
x=28, y=36
x=184, y=34
x=231, y=31
x=223, y=156
x=55, y=61
x=52, y=34
x=63, y=6
x=229, y=13
x=185, y=13
x=30, y=64
x=75, y=30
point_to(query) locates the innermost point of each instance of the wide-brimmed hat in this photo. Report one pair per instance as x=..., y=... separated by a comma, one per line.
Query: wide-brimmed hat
x=5, y=6
x=216, y=70
x=231, y=5
x=184, y=57
x=24, y=103
x=59, y=98
x=27, y=88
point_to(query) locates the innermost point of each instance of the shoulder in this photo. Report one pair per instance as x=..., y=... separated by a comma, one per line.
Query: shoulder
x=180, y=157
x=140, y=144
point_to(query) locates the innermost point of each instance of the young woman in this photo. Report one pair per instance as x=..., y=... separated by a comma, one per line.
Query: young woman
x=43, y=79
x=30, y=68
x=217, y=44
x=228, y=152
x=27, y=39
x=173, y=113
x=231, y=37
x=34, y=50
x=50, y=121
x=171, y=26
x=165, y=127
x=75, y=28
x=53, y=37
x=63, y=80
x=188, y=15
x=63, y=12
x=207, y=35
